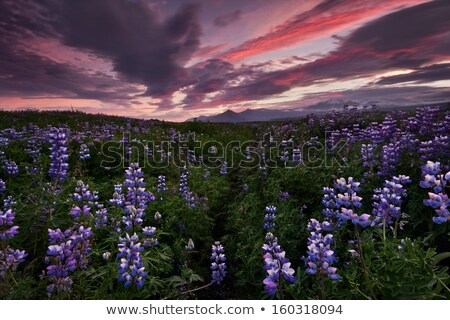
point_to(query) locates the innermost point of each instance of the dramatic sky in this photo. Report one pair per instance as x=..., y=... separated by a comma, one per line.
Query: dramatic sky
x=176, y=59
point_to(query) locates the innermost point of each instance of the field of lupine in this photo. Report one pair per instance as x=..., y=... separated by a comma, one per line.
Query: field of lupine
x=349, y=205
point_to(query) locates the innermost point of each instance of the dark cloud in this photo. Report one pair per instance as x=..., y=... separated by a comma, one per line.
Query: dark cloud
x=143, y=49
x=426, y=74
x=395, y=95
x=27, y=74
x=227, y=18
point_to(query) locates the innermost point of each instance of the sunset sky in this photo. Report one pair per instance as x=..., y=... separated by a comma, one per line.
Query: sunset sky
x=177, y=59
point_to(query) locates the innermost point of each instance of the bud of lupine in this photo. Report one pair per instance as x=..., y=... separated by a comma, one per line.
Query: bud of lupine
x=131, y=267
x=218, y=265
x=276, y=264
x=190, y=245
x=320, y=255
x=106, y=255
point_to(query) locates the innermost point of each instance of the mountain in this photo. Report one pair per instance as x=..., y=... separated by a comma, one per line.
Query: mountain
x=251, y=115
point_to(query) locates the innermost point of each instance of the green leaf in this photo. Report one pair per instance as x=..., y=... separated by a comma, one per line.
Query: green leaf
x=441, y=256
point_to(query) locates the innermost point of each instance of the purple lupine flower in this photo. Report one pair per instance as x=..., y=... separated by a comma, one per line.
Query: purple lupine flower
x=2, y=187
x=224, y=169
x=270, y=217
x=320, y=255
x=162, y=188
x=439, y=201
x=218, y=265
x=390, y=158
x=9, y=258
x=135, y=184
x=84, y=152
x=131, y=267
x=58, y=155
x=283, y=196
x=276, y=264
x=388, y=200
x=66, y=253
x=297, y=156
x=118, y=199
x=183, y=187
x=83, y=195
x=100, y=217
x=77, y=212
x=368, y=157
x=363, y=220
x=284, y=156
x=12, y=169
x=149, y=234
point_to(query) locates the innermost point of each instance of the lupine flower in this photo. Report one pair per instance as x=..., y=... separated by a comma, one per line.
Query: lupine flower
x=390, y=158
x=270, y=217
x=439, y=201
x=368, y=156
x=320, y=255
x=206, y=174
x=149, y=240
x=82, y=194
x=118, y=199
x=363, y=220
x=59, y=156
x=162, y=188
x=9, y=258
x=135, y=184
x=12, y=169
x=84, y=152
x=297, y=156
x=101, y=217
x=223, y=169
x=218, y=265
x=131, y=267
x=276, y=264
x=283, y=196
x=2, y=187
x=66, y=253
x=388, y=200
x=77, y=212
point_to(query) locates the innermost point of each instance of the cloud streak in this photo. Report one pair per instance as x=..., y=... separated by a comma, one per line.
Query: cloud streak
x=327, y=17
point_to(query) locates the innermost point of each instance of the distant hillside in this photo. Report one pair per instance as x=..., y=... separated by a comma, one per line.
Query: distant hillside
x=251, y=115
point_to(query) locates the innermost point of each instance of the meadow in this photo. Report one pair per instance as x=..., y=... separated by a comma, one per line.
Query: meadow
x=347, y=205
